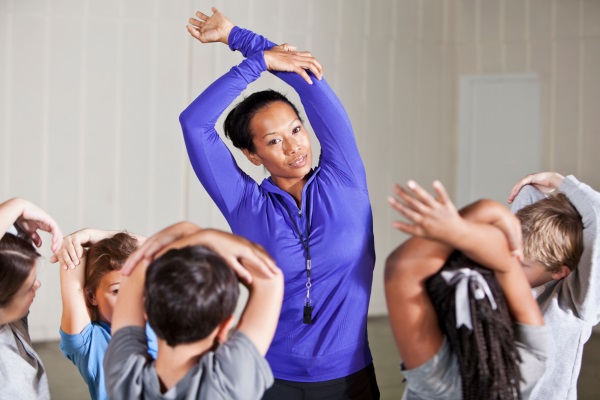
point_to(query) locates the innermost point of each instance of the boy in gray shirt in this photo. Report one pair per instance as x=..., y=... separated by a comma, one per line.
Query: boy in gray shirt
x=562, y=263
x=189, y=294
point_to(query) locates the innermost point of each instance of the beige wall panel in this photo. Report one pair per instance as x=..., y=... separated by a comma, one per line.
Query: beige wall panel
x=514, y=21
x=168, y=158
x=516, y=57
x=30, y=7
x=428, y=146
x=135, y=132
x=140, y=10
x=403, y=116
x=591, y=16
x=467, y=59
x=565, y=112
x=406, y=19
x=322, y=22
x=101, y=73
x=541, y=64
x=67, y=8
x=352, y=17
x=64, y=118
x=106, y=9
x=492, y=58
x=567, y=18
x=433, y=21
x=5, y=83
x=466, y=28
x=489, y=20
x=27, y=108
x=540, y=19
x=590, y=164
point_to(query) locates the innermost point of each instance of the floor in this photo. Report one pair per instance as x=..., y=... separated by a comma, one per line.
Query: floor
x=66, y=384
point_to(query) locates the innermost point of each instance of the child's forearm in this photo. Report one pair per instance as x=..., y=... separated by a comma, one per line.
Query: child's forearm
x=10, y=210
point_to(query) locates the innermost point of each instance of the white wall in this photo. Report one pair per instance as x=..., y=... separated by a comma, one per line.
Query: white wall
x=90, y=92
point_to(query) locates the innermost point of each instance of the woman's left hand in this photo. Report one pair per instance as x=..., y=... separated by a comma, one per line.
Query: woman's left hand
x=215, y=28
x=285, y=58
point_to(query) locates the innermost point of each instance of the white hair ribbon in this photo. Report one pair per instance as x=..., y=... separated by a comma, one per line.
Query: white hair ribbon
x=461, y=278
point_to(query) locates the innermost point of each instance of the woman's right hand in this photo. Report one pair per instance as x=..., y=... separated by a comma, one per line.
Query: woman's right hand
x=215, y=28
x=285, y=58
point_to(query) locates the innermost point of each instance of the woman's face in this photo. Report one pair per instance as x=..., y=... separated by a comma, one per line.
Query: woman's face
x=282, y=143
x=105, y=297
x=21, y=301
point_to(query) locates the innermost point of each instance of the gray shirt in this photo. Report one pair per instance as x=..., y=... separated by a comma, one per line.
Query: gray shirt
x=570, y=306
x=439, y=377
x=22, y=374
x=236, y=370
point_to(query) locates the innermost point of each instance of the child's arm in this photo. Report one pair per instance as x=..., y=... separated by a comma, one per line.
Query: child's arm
x=29, y=218
x=239, y=253
x=75, y=314
x=437, y=219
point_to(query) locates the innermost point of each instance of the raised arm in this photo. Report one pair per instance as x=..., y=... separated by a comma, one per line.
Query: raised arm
x=262, y=311
x=323, y=108
x=71, y=257
x=29, y=218
x=437, y=219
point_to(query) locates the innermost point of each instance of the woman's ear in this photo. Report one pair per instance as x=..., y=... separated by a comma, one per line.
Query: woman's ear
x=254, y=159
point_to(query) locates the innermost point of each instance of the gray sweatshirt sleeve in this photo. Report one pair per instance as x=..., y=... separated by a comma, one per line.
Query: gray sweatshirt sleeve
x=582, y=286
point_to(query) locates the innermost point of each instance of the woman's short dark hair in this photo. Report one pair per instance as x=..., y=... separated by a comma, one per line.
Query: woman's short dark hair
x=237, y=123
x=17, y=258
x=487, y=355
x=188, y=293
x=102, y=257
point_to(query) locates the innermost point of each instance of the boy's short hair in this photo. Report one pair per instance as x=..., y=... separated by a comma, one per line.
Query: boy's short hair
x=188, y=293
x=552, y=232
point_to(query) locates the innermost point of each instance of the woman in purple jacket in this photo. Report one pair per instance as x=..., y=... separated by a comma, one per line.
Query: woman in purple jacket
x=315, y=222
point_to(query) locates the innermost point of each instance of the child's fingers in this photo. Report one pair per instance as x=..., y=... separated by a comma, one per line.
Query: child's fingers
x=72, y=253
x=404, y=210
x=406, y=228
x=242, y=273
x=410, y=200
x=442, y=194
x=421, y=194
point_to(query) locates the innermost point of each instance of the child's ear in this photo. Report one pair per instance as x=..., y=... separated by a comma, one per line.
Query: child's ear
x=224, y=328
x=254, y=159
x=561, y=273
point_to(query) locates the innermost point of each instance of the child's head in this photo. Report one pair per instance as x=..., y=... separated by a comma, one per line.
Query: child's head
x=552, y=239
x=487, y=354
x=189, y=293
x=18, y=281
x=104, y=260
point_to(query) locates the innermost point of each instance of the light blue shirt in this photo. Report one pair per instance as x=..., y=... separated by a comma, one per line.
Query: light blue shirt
x=86, y=350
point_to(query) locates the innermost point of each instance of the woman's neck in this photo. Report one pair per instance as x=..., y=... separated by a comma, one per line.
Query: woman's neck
x=293, y=187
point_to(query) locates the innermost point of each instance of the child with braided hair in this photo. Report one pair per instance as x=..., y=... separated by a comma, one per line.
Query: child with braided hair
x=461, y=309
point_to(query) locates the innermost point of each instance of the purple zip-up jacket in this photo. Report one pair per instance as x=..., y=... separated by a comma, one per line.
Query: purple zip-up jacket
x=341, y=235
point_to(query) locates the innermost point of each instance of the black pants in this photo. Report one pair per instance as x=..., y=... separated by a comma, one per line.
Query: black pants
x=361, y=385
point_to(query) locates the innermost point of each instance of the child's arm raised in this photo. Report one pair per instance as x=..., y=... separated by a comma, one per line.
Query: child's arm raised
x=437, y=219
x=29, y=218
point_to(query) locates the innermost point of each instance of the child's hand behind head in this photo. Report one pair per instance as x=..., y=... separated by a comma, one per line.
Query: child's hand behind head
x=158, y=244
x=246, y=258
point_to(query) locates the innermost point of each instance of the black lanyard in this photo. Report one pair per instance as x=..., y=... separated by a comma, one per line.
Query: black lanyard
x=307, y=315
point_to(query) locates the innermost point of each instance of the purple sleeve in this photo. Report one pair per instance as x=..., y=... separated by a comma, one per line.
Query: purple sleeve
x=329, y=120
x=212, y=161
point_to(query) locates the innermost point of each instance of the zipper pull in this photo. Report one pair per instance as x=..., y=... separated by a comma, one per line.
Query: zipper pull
x=300, y=212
